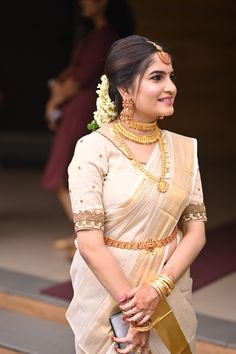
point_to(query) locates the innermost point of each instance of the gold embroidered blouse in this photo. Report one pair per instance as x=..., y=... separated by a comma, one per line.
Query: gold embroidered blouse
x=195, y=210
x=88, y=220
x=98, y=181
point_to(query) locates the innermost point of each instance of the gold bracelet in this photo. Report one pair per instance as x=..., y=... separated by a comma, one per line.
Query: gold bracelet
x=158, y=289
x=168, y=280
x=163, y=285
x=167, y=288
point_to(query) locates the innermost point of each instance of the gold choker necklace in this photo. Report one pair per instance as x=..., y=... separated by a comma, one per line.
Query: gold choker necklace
x=161, y=181
x=145, y=139
x=146, y=127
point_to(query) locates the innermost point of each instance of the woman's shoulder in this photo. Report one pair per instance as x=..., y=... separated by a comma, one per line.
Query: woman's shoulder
x=93, y=142
x=90, y=139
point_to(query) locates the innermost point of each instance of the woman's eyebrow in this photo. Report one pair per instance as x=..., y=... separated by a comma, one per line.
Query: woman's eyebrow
x=161, y=72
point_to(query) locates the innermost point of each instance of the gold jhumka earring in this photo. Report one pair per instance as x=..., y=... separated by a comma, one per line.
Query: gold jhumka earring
x=127, y=112
x=160, y=117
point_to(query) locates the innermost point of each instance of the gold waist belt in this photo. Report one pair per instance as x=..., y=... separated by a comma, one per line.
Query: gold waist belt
x=148, y=245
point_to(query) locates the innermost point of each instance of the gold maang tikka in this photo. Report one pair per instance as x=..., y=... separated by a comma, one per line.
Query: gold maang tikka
x=165, y=57
x=127, y=112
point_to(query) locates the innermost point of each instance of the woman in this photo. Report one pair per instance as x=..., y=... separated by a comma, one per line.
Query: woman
x=73, y=93
x=138, y=210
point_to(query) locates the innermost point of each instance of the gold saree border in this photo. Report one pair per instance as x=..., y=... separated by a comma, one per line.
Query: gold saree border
x=169, y=330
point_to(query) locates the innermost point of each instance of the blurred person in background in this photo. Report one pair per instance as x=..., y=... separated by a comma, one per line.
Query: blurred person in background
x=73, y=92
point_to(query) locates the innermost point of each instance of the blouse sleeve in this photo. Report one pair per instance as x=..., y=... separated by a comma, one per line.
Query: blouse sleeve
x=86, y=175
x=195, y=210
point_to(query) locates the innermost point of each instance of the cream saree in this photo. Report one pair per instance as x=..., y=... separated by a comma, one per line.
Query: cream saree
x=107, y=193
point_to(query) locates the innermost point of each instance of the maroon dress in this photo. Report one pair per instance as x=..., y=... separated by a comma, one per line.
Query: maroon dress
x=87, y=66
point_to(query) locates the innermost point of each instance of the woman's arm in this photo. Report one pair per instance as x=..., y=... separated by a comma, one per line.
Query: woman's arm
x=144, y=299
x=102, y=263
x=188, y=249
x=109, y=273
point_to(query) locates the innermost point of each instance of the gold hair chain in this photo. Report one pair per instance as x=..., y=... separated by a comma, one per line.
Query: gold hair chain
x=161, y=181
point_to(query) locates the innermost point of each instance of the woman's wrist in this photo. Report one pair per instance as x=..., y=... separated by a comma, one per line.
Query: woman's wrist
x=163, y=285
x=144, y=328
x=154, y=294
x=169, y=271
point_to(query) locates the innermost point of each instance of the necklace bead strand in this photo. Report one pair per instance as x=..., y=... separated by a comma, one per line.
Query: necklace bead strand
x=161, y=181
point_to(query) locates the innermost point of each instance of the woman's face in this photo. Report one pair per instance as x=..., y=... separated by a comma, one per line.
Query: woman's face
x=156, y=93
x=91, y=8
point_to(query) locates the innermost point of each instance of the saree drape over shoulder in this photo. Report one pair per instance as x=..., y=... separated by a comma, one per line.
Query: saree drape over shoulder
x=108, y=193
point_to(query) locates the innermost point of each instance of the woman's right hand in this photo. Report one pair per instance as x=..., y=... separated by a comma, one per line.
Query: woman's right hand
x=137, y=342
x=139, y=304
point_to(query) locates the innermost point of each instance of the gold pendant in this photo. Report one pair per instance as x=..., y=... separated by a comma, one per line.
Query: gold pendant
x=162, y=185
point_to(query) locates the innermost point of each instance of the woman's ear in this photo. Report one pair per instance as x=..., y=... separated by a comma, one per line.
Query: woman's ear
x=123, y=92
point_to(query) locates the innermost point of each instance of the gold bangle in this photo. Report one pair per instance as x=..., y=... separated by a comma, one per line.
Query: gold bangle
x=163, y=285
x=168, y=280
x=158, y=289
x=166, y=287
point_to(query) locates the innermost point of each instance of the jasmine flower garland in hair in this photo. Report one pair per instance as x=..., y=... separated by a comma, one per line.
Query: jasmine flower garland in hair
x=105, y=112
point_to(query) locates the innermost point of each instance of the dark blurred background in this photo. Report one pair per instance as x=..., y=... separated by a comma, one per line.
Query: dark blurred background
x=36, y=41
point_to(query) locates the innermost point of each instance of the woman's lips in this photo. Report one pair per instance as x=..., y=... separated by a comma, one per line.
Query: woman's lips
x=167, y=100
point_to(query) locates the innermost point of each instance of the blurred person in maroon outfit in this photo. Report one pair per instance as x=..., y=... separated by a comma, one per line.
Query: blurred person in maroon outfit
x=73, y=93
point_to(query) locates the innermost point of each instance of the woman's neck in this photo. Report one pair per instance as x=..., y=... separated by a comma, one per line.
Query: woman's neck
x=142, y=128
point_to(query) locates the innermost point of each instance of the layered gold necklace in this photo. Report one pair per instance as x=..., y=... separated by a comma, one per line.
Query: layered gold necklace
x=161, y=181
x=145, y=127
x=140, y=139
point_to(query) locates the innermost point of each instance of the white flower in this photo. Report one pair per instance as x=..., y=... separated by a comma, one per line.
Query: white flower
x=105, y=107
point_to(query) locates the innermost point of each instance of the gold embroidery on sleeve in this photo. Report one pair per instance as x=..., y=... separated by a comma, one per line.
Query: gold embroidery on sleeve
x=194, y=212
x=88, y=220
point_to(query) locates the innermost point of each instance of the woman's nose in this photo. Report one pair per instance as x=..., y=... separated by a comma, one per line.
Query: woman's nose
x=170, y=86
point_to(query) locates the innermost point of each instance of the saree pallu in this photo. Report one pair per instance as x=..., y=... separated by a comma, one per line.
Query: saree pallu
x=134, y=210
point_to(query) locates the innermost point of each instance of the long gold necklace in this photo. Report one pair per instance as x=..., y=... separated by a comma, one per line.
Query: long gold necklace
x=145, y=127
x=161, y=181
x=145, y=139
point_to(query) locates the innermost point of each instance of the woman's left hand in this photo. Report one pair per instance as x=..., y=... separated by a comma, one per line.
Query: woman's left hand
x=139, y=304
x=135, y=341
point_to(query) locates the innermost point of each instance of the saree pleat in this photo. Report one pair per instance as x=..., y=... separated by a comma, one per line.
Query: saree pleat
x=141, y=213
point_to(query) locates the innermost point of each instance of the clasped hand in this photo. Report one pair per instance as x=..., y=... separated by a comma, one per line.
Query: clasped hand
x=137, y=306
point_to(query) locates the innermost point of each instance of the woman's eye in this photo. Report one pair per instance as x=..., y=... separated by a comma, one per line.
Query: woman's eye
x=157, y=77
x=173, y=77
